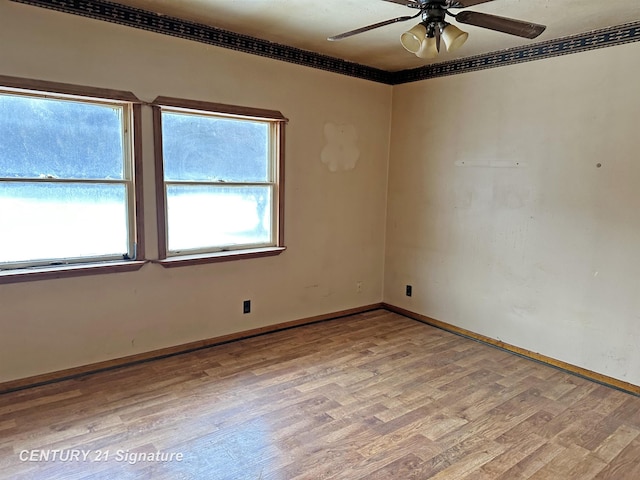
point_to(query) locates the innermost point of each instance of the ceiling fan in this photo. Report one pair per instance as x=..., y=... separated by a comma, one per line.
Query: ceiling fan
x=425, y=38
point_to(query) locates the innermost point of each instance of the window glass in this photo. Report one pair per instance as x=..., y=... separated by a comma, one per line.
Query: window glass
x=221, y=184
x=66, y=180
x=49, y=138
x=206, y=148
x=202, y=216
x=62, y=221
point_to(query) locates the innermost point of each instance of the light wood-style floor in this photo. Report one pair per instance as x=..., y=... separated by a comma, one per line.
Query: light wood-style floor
x=372, y=396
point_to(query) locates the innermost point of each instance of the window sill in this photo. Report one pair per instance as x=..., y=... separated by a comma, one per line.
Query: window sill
x=65, y=271
x=202, y=259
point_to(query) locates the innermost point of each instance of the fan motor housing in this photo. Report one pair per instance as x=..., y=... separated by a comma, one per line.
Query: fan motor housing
x=433, y=14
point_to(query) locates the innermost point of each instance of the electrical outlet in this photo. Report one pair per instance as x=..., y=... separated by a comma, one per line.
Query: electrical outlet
x=246, y=306
x=408, y=290
x=359, y=286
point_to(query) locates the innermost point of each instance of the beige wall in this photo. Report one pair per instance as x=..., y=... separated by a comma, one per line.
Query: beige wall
x=334, y=221
x=544, y=254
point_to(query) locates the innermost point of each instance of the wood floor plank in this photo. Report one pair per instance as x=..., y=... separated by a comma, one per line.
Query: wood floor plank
x=616, y=442
x=625, y=465
x=516, y=450
x=533, y=462
x=374, y=395
x=561, y=465
x=588, y=468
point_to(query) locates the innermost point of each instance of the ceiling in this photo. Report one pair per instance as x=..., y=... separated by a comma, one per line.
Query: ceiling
x=306, y=25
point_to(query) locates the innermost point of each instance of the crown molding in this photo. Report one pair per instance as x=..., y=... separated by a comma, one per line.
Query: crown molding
x=133, y=17
x=175, y=27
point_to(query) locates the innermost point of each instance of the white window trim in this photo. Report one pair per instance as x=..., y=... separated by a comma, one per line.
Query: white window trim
x=57, y=268
x=210, y=255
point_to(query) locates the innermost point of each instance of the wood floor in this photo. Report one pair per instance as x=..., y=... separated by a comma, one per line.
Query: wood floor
x=372, y=396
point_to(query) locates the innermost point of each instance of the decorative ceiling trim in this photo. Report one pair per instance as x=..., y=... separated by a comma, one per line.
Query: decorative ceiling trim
x=133, y=17
x=607, y=37
x=175, y=27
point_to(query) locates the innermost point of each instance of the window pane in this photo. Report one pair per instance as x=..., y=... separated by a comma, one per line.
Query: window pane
x=55, y=221
x=197, y=147
x=61, y=139
x=203, y=217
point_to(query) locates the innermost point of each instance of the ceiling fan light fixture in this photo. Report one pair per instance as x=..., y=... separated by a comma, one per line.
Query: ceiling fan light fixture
x=428, y=48
x=453, y=37
x=433, y=29
x=412, y=39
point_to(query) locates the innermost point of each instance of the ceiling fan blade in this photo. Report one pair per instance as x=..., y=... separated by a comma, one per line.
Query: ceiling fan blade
x=501, y=24
x=465, y=3
x=409, y=3
x=371, y=27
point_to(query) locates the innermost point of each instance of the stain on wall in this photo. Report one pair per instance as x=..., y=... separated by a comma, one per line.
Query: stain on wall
x=341, y=152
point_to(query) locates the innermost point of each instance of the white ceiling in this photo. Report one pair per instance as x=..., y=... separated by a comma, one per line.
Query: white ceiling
x=306, y=25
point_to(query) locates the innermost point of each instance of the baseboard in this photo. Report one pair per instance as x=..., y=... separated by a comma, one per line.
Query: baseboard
x=573, y=369
x=38, y=380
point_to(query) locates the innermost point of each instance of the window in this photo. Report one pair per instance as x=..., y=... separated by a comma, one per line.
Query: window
x=220, y=177
x=67, y=190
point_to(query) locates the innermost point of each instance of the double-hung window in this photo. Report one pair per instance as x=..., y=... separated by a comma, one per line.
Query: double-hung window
x=219, y=170
x=67, y=190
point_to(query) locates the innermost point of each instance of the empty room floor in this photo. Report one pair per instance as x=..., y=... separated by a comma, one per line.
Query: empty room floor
x=371, y=396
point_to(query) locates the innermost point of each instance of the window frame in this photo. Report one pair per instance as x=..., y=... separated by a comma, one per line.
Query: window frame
x=212, y=255
x=39, y=270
